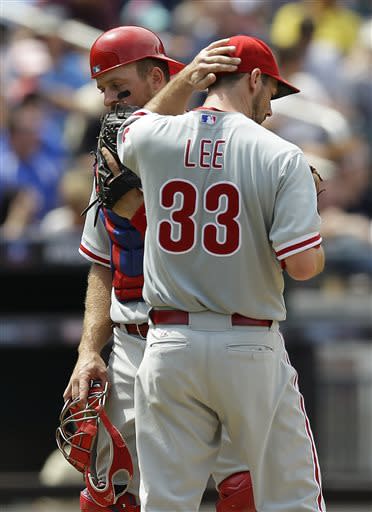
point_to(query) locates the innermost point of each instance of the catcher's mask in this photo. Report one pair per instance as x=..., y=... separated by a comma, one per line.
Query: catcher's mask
x=76, y=439
x=126, y=44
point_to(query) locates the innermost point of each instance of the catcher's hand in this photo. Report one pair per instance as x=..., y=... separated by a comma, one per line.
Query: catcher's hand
x=109, y=187
x=317, y=180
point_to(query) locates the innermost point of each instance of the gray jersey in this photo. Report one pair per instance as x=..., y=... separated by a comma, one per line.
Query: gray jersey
x=95, y=246
x=227, y=200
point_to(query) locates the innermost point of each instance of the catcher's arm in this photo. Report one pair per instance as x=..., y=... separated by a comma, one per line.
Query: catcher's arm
x=196, y=76
x=97, y=330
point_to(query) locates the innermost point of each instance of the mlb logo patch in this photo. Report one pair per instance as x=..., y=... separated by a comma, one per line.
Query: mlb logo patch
x=208, y=118
x=96, y=69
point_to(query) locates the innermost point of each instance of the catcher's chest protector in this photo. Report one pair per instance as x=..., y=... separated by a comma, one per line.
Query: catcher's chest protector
x=127, y=246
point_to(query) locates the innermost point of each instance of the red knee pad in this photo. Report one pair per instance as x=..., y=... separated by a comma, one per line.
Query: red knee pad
x=236, y=494
x=126, y=502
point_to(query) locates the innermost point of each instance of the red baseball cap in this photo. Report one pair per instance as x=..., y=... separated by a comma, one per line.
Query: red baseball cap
x=254, y=53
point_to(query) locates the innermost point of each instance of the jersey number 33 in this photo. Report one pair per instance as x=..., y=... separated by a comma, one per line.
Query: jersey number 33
x=179, y=234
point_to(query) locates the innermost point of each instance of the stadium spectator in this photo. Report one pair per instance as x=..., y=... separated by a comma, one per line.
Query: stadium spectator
x=74, y=191
x=30, y=172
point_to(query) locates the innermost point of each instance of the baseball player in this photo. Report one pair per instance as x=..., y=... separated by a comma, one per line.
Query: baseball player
x=229, y=206
x=130, y=63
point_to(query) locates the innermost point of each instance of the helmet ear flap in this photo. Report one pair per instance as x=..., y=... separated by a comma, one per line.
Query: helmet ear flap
x=120, y=463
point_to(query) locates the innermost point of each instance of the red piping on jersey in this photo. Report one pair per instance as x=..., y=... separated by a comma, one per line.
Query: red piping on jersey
x=93, y=256
x=313, y=450
x=209, y=108
x=140, y=113
x=298, y=246
x=124, y=134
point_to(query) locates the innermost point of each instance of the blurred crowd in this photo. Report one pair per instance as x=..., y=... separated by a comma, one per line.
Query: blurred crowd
x=50, y=108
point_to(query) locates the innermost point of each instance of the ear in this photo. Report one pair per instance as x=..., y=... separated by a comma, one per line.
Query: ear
x=255, y=81
x=157, y=78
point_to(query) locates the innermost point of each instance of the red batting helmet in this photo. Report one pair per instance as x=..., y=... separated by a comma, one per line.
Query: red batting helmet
x=123, y=45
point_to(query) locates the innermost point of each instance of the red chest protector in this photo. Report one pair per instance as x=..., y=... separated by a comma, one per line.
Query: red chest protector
x=127, y=247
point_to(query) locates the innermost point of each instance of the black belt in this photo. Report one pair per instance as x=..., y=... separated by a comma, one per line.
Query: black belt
x=135, y=329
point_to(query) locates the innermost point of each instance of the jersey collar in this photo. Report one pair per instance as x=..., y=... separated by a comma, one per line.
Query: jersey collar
x=214, y=109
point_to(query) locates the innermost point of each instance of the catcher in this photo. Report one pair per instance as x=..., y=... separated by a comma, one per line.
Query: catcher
x=129, y=65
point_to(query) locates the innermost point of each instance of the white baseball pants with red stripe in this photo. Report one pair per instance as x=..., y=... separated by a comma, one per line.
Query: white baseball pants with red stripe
x=195, y=378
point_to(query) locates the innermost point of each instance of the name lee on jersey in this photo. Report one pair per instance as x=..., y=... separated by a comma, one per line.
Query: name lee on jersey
x=205, y=153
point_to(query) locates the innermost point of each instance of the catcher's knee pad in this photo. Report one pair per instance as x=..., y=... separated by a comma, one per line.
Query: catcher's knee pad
x=126, y=502
x=236, y=494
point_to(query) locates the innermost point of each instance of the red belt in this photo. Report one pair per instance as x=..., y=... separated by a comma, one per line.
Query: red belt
x=162, y=316
x=137, y=329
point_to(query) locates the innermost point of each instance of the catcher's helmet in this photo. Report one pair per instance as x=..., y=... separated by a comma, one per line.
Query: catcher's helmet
x=123, y=45
x=76, y=439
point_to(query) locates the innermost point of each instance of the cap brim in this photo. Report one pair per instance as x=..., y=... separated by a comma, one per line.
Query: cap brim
x=284, y=88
